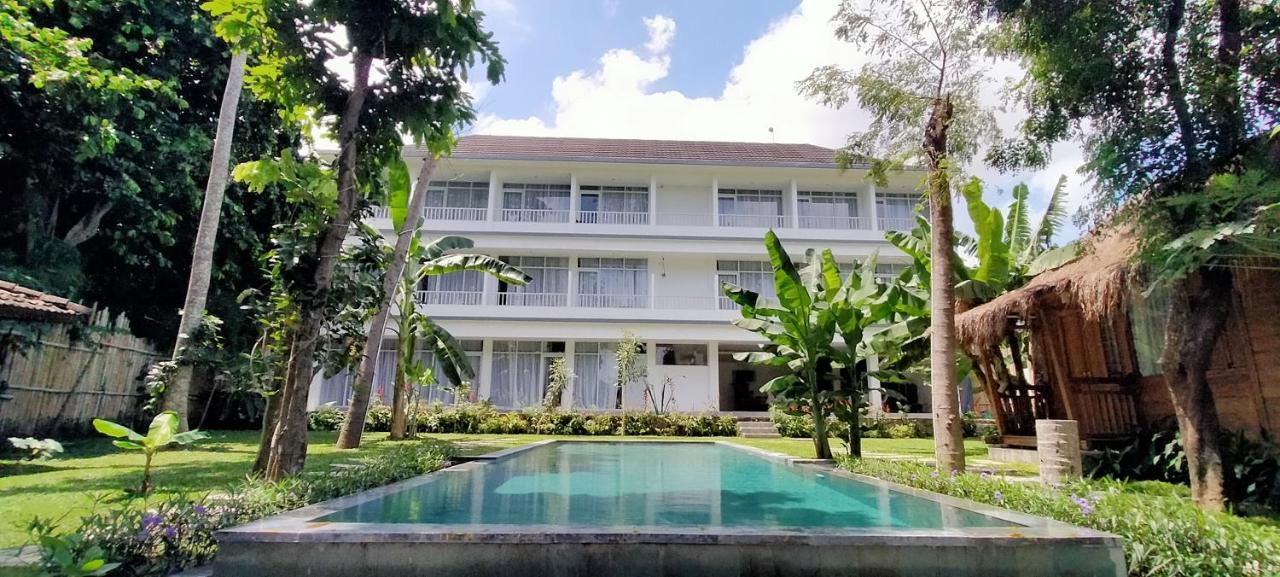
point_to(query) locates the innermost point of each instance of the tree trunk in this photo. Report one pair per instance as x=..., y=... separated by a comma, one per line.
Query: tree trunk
x=399, y=398
x=821, y=444
x=289, y=447
x=1198, y=311
x=178, y=392
x=353, y=423
x=270, y=415
x=947, y=435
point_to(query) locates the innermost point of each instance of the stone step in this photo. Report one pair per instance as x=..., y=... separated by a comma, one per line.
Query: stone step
x=757, y=430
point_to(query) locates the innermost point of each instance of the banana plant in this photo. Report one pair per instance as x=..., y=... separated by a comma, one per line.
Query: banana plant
x=416, y=330
x=815, y=306
x=162, y=433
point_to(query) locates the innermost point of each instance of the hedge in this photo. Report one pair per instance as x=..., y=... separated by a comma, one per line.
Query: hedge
x=1165, y=535
x=484, y=418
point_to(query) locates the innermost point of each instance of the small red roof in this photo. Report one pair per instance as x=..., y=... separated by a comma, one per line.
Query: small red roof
x=19, y=302
x=490, y=147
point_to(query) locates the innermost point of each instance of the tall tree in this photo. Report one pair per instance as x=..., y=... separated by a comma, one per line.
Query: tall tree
x=1176, y=106
x=178, y=389
x=922, y=90
x=423, y=50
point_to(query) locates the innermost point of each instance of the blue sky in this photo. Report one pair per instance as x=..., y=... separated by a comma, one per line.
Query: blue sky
x=694, y=69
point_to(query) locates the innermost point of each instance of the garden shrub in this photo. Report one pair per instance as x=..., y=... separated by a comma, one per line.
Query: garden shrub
x=163, y=536
x=1165, y=535
x=902, y=431
x=325, y=419
x=484, y=418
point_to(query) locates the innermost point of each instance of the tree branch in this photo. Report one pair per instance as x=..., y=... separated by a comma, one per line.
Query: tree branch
x=908, y=46
x=88, y=225
x=1177, y=94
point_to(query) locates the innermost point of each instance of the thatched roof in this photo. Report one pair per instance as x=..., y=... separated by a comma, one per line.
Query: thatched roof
x=1097, y=283
x=22, y=303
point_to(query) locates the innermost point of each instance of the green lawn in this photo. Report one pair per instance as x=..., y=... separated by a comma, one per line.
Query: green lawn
x=67, y=487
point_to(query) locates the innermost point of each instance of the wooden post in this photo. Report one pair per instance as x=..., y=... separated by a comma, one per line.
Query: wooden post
x=1058, y=446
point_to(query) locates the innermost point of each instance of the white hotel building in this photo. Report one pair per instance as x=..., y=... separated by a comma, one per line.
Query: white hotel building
x=632, y=236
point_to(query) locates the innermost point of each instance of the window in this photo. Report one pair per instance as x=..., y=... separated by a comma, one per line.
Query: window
x=446, y=390
x=457, y=200
x=613, y=204
x=595, y=370
x=838, y=210
x=456, y=288
x=897, y=211
x=613, y=282
x=549, y=286
x=750, y=207
x=888, y=271
x=755, y=276
x=535, y=202
x=682, y=355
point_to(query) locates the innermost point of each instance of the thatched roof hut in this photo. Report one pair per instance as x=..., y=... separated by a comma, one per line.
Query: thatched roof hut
x=1095, y=342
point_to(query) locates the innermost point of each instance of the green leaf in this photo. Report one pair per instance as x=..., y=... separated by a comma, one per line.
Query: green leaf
x=483, y=263
x=163, y=427
x=1018, y=228
x=446, y=244
x=1055, y=215
x=128, y=445
x=992, y=252
x=786, y=279
x=116, y=430
x=189, y=437
x=398, y=192
x=1054, y=258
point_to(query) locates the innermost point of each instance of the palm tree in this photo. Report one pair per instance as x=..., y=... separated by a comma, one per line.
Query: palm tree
x=414, y=326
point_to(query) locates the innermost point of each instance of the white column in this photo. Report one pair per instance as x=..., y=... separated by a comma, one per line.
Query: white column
x=653, y=200
x=653, y=288
x=482, y=388
x=495, y=196
x=573, y=281
x=490, y=295
x=715, y=201
x=874, y=397
x=713, y=373
x=566, y=396
x=792, y=205
x=573, y=197
x=871, y=206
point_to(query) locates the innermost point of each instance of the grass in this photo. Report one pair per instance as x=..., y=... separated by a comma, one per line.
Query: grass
x=70, y=486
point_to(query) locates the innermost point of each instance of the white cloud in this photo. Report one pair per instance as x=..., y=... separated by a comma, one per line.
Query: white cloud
x=616, y=98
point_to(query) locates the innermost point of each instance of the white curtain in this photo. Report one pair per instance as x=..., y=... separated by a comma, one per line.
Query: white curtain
x=460, y=281
x=518, y=377
x=613, y=282
x=595, y=369
x=384, y=373
x=897, y=206
x=336, y=389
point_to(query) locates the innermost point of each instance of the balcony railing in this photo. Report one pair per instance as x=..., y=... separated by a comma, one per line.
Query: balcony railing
x=835, y=222
x=684, y=219
x=453, y=213
x=723, y=303
x=753, y=220
x=610, y=217
x=684, y=303
x=448, y=297
x=533, y=299
x=534, y=215
x=381, y=212
x=613, y=301
x=900, y=224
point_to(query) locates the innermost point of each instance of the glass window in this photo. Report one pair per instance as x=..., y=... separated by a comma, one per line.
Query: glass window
x=446, y=390
x=898, y=211
x=535, y=202
x=821, y=209
x=750, y=207
x=613, y=204
x=686, y=355
x=450, y=194
x=613, y=282
x=549, y=284
x=595, y=369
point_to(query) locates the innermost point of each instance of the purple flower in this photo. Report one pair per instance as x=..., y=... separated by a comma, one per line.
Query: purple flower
x=913, y=476
x=149, y=521
x=170, y=532
x=934, y=474
x=998, y=496
x=1085, y=506
x=986, y=474
x=200, y=510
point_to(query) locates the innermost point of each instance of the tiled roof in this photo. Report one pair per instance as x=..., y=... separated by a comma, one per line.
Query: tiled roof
x=489, y=147
x=19, y=302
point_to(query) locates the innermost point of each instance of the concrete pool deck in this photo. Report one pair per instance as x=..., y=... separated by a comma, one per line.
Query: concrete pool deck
x=296, y=543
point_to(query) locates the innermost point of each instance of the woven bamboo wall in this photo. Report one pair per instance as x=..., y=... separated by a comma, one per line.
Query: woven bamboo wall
x=60, y=384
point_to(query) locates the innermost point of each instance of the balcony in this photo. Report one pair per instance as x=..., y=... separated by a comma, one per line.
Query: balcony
x=607, y=217
x=898, y=224
x=835, y=222
x=753, y=220
x=520, y=299
x=602, y=301
x=534, y=215
x=452, y=213
x=448, y=297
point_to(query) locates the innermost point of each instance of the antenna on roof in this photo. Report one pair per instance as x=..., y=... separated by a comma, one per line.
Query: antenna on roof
x=772, y=137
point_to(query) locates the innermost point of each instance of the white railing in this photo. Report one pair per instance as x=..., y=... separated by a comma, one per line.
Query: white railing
x=724, y=304
x=684, y=303
x=448, y=297
x=753, y=220
x=902, y=224
x=609, y=217
x=452, y=213
x=533, y=299
x=534, y=215
x=684, y=219
x=381, y=212
x=613, y=301
x=836, y=222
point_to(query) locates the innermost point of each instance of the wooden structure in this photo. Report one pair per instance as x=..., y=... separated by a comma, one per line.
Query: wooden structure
x=1095, y=342
x=62, y=365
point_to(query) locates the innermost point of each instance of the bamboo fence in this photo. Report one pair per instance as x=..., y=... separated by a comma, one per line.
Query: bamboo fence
x=73, y=374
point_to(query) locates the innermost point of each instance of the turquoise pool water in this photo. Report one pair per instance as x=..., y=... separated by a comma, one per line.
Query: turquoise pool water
x=654, y=484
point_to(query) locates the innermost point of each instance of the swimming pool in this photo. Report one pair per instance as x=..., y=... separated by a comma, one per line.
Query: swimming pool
x=656, y=508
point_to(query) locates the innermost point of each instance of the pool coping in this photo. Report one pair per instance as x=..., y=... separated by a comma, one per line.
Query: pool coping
x=301, y=525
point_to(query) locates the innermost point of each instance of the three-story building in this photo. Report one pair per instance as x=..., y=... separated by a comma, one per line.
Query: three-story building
x=632, y=236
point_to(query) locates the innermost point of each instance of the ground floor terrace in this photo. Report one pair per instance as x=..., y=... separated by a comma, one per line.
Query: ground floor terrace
x=513, y=370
